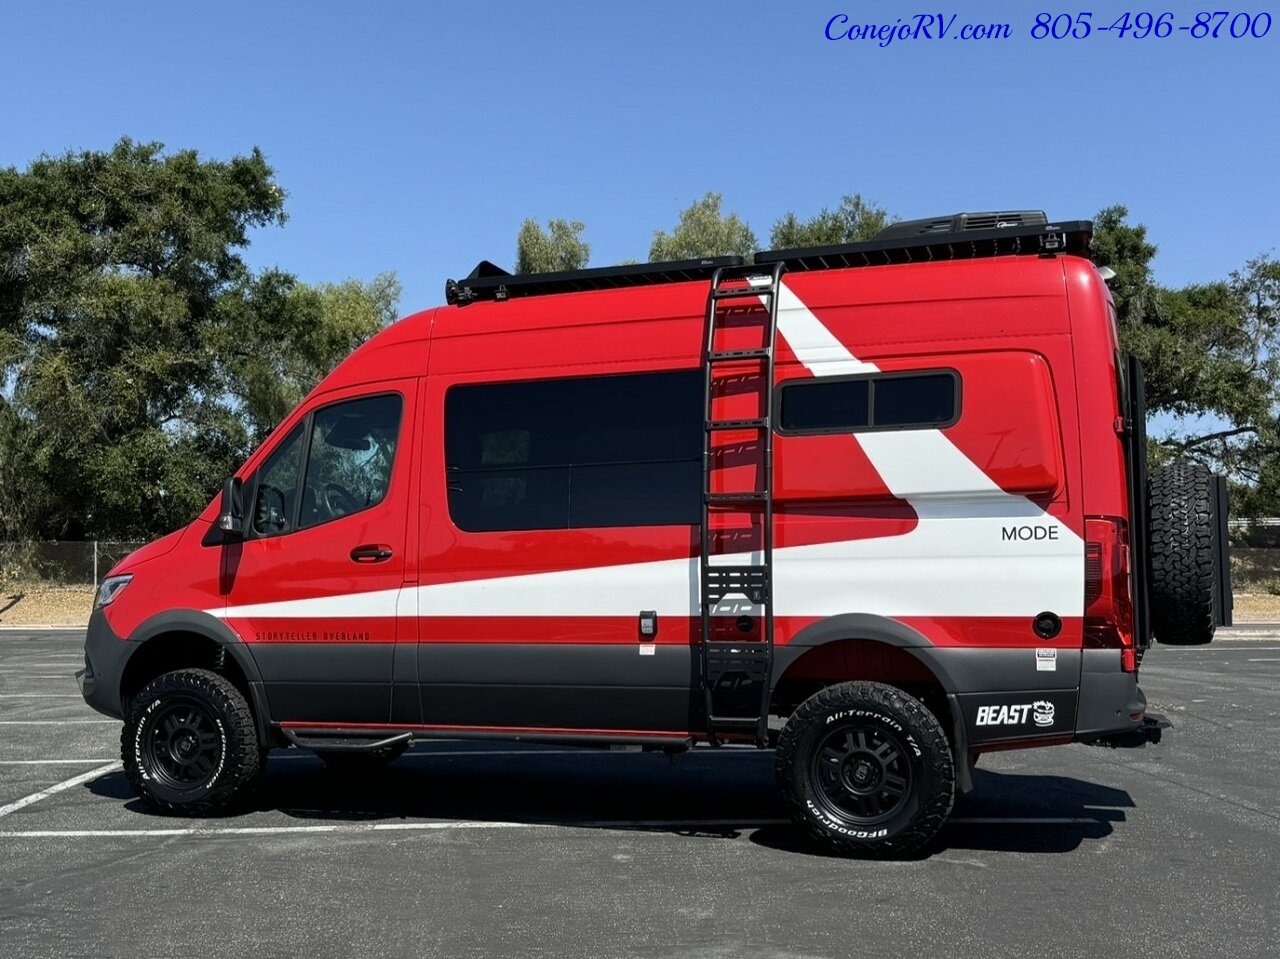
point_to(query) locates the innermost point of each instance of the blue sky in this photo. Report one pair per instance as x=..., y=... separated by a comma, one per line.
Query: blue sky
x=415, y=136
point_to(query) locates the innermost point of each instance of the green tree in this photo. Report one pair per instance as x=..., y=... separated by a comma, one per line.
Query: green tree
x=1123, y=248
x=125, y=338
x=559, y=247
x=276, y=338
x=1210, y=355
x=853, y=221
x=14, y=493
x=703, y=231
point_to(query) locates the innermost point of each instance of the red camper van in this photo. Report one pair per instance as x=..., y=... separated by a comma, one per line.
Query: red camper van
x=882, y=507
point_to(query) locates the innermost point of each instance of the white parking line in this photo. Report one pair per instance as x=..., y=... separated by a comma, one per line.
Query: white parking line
x=1245, y=647
x=55, y=722
x=709, y=824
x=11, y=676
x=40, y=696
x=264, y=830
x=59, y=787
x=53, y=762
x=1024, y=821
x=70, y=665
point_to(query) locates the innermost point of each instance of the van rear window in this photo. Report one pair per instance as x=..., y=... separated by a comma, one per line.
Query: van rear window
x=882, y=401
x=575, y=453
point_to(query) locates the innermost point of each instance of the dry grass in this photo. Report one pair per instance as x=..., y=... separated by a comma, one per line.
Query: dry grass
x=42, y=605
x=38, y=604
x=1257, y=608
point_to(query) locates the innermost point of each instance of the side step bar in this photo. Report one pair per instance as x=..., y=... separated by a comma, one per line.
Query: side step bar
x=363, y=740
x=344, y=740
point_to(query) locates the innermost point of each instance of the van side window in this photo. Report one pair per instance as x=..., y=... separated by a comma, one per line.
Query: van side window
x=353, y=446
x=575, y=453
x=349, y=457
x=277, y=486
x=881, y=401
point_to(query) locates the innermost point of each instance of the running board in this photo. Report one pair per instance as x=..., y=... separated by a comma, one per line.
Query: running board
x=363, y=739
x=344, y=740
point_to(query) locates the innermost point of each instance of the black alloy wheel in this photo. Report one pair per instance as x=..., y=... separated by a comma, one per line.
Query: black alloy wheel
x=861, y=772
x=183, y=747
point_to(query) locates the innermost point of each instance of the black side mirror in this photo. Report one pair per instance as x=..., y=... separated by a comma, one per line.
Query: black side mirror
x=231, y=517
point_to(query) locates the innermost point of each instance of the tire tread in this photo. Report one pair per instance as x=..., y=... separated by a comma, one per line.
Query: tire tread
x=244, y=760
x=1184, y=566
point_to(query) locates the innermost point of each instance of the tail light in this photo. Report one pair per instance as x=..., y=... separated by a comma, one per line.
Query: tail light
x=1108, y=600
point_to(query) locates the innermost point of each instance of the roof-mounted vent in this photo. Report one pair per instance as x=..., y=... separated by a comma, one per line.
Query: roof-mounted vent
x=963, y=222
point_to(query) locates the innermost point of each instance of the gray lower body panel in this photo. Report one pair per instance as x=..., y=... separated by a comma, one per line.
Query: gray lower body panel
x=1021, y=695
x=105, y=657
x=327, y=682
x=1109, y=697
x=564, y=685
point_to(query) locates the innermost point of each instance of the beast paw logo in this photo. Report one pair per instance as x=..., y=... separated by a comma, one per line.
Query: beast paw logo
x=1042, y=712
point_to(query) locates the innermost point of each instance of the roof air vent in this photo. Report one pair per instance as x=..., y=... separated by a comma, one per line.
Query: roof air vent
x=962, y=222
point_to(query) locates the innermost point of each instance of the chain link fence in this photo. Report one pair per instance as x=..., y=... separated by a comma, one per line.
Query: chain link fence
x=61, y=563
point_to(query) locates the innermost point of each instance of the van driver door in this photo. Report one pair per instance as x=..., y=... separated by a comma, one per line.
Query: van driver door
x=313, y=587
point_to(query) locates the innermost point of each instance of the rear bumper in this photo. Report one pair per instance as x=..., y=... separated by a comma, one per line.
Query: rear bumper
x=1007, y=700
x=1112, y=704
x=105, y=656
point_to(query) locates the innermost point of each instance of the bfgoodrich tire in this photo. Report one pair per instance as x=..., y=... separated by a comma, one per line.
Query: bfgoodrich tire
x=189, y=744
x=1185, y=548
x=866, y=769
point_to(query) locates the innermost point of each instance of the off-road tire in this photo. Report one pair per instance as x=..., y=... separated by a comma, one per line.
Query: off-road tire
x=226, y=728
x=1184, y=554
x=346, y=760
x=925, y=763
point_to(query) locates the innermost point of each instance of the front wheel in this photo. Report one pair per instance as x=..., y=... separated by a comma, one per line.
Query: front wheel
x=189, y=744
x=866, y=769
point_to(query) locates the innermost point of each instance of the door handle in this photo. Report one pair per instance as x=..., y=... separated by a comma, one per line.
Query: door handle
x=371, y=553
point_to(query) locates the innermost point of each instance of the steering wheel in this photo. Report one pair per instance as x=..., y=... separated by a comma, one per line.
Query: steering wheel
x=338, y=501
x=269, y=511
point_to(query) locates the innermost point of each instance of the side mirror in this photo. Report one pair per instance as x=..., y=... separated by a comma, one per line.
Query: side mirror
x=231, y=517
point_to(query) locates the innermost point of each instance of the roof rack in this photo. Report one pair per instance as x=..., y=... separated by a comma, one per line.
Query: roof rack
x=915, y=242
x=964, y=236
x=489, y=282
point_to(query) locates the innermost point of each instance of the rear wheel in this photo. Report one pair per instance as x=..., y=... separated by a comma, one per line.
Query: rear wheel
x=189, y=744
x=866, y=769
x=1185, y=554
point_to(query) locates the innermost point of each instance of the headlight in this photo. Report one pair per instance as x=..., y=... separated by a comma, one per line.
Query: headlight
x=110, y=589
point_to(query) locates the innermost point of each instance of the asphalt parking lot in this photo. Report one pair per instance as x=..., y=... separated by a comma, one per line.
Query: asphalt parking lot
x=460, y=850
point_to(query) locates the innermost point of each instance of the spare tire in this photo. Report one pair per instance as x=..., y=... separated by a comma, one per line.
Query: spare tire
x=1186, y=554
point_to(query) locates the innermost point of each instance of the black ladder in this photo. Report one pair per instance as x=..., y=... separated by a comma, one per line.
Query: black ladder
x=742, y=306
